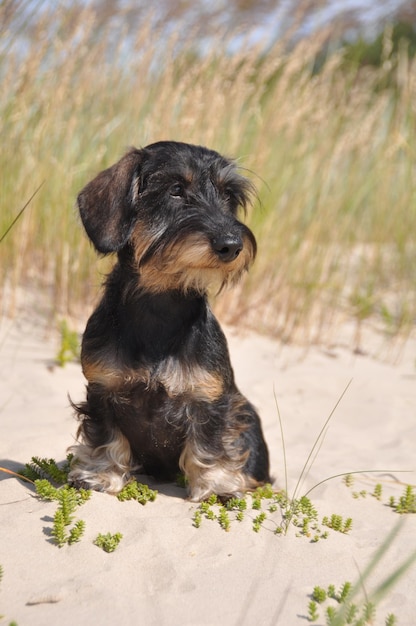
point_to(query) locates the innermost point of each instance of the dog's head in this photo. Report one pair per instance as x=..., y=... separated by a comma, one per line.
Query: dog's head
x=173, y=207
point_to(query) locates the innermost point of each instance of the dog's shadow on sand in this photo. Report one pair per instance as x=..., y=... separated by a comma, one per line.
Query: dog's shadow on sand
x=170, y=489
x=10, y=469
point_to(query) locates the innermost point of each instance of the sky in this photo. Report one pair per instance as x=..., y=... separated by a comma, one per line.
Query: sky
x=269, y=28
x=370, y=11
x=370, y=14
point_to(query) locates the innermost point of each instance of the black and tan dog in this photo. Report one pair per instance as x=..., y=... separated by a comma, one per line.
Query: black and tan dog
x=161, y=395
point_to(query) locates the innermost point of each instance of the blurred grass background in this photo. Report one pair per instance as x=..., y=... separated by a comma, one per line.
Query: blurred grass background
x=325, y=131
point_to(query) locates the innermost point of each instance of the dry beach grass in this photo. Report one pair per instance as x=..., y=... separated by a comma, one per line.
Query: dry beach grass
x=331, y=153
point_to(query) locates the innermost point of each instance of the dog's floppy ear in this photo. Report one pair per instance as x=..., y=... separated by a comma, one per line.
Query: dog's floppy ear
x=108, y=204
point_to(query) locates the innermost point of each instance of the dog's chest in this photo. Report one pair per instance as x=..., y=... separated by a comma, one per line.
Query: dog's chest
x=173, y=376
x=184, y=378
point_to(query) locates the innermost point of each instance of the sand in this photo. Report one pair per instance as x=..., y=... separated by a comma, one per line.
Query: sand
x=167, y=572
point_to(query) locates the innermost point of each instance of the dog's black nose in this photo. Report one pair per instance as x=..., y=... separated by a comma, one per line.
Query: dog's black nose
x=227, y=247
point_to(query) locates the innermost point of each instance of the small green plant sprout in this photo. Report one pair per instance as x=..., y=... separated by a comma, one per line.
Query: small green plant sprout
x=359, y=494
x=205, y=509
x=76, y=497
x=224, y=518
x=337, y=523
x=313, y=614
x=351, y=613
x=347, y=525
x=266, y=492
x=208, y=512
x=239, y=504
x=369, y=613
x=69, y=348
x=331, y=614
x=197, y=518
x=378, y=491
x=76, y=532
x=258, y=521
x=234, y=509
x=391, y=620
x=306, y=508
x=256, y=503
x=108, y=542
x=305, y=527
x=319, y=594
x=344, y=592
x=59, y=532
x=137, y=491
x=406, y=503
x=348, y=480
x=42, y=468
x=301, y=514
x=68, y=499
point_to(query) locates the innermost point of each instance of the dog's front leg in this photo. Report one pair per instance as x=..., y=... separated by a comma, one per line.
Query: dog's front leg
x=217, y=449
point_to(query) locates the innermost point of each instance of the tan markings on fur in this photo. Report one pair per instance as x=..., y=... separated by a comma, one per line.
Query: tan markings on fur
x=177, y=378
x=142, y=239
x=192, y=264
x=106, y=468
x=180, y=378
x=207, y=474
x=111, y=376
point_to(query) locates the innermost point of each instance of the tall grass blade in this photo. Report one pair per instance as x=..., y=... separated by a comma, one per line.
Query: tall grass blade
x=282, y=438
x=318, y=441
x=22, y=210
x=353, y=473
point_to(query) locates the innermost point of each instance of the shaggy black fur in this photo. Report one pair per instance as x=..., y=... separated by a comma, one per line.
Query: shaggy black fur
x=161, y=394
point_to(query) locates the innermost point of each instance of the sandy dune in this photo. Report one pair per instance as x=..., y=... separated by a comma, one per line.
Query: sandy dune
x=167, y=572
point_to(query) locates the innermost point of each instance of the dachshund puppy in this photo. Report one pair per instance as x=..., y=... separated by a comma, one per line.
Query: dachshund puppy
x=161, y=396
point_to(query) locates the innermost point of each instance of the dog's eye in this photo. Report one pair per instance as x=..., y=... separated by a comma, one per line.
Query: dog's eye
x=230, y=198
x=177, y=190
